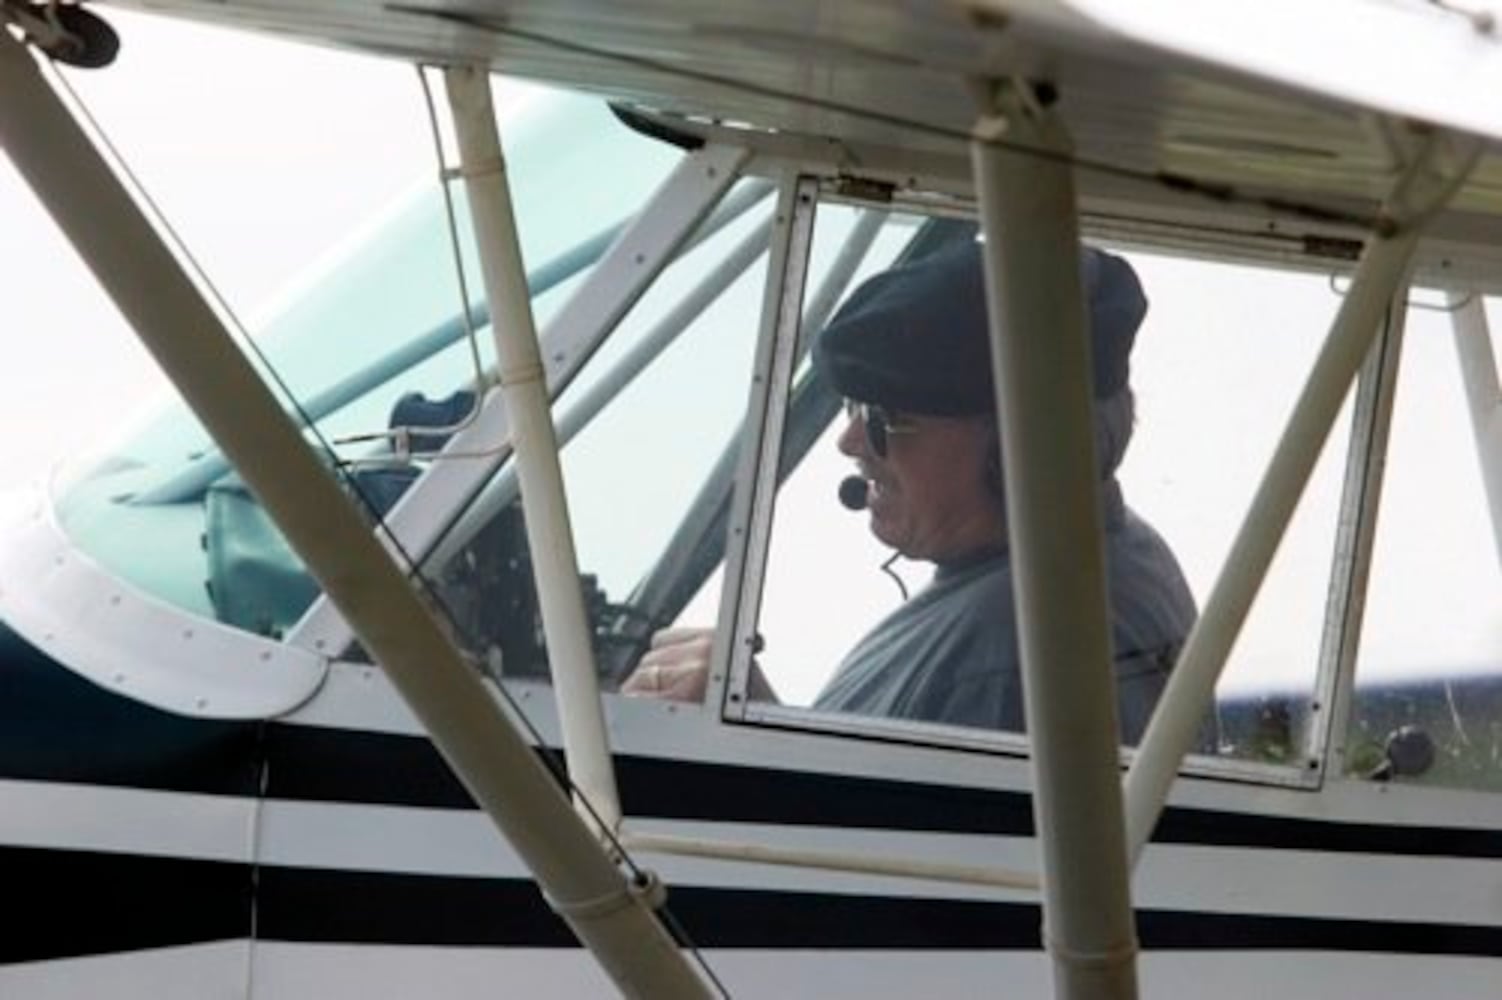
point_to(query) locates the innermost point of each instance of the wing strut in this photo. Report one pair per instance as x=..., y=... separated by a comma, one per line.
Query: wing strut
x=1040, y=358
x=197, y=352
x=1478, y=370
x=534, y=444
x=1438, y=168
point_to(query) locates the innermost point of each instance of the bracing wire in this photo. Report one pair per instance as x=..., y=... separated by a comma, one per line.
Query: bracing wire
x=445, y=178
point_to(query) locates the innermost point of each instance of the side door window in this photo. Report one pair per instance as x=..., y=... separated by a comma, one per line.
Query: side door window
x=1217, y=362
x=1427, y=702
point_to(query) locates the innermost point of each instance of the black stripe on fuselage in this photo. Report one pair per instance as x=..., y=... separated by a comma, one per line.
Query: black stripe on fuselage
x=83, y=903
x=311, y=906
x=63, y=904
x=55, y=726
x=316, y=764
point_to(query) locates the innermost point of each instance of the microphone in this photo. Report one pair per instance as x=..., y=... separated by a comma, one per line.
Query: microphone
x=853, y=490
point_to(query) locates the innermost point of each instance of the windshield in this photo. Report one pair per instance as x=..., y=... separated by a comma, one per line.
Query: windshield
x=382, y=325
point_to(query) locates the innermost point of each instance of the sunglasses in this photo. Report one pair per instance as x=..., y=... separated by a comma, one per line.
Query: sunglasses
x=879, y=422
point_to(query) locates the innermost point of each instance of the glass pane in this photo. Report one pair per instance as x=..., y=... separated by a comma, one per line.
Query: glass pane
x=1428, y=700
x=1217, y=363
x=379, y=326
x=1222, y=357
x=823, y=587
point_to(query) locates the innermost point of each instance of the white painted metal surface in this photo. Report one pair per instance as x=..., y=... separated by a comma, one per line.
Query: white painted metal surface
x=1175, y=114
x=290, y=971
x=52, y=815
x=190, y=972
x=1449, y=73
x=134, y=644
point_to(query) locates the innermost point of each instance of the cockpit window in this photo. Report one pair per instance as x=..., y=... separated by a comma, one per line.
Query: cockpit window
x=649, y=433
x=900, y=607
x=377, y=337
x=1427, y=705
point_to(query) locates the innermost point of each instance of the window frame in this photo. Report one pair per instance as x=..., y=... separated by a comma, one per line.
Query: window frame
x=754, y=505
x=1356, y=531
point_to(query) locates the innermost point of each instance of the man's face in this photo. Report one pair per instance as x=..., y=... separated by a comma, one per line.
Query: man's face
x=928, y=496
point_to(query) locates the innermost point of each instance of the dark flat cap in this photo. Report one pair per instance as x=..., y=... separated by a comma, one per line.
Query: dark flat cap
x=915, y=338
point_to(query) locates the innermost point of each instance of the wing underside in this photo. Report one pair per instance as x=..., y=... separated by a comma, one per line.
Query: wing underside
x=1219, y=134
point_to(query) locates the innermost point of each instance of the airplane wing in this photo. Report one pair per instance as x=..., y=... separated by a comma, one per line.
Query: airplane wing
x=1265, y=131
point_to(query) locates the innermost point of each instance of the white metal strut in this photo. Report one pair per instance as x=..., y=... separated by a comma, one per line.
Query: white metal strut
x=550, y=537
x=1478, y=370
x=1040, y=356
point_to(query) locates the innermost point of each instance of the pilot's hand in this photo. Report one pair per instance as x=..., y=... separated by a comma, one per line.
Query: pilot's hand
x=676, y=667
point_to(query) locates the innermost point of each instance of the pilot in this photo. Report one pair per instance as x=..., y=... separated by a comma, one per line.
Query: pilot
x=910, y=353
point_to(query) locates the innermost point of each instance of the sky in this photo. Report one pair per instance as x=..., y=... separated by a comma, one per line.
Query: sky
x=265, y=155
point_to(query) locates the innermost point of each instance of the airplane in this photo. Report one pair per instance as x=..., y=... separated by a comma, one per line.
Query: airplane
x=297, y=702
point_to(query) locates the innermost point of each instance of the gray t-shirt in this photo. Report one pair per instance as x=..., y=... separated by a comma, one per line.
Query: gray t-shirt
x=950, y=653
